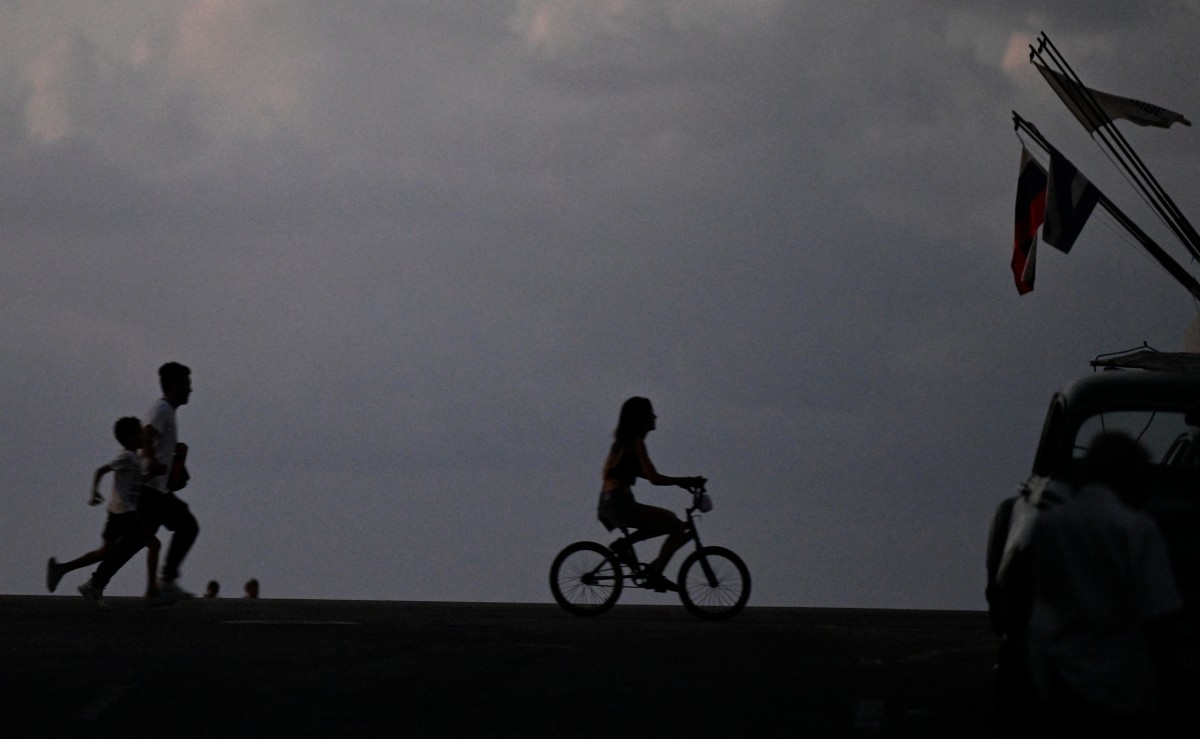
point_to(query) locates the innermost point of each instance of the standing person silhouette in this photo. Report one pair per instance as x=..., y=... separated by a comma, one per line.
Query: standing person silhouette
x=165, y=458
x=627, y=461
x=1103, y=590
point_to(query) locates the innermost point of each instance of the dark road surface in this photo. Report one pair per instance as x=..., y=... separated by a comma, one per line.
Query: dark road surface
x=232, y=667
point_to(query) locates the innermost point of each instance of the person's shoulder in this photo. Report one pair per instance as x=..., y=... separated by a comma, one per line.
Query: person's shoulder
x=159, y=409
x=125, y=458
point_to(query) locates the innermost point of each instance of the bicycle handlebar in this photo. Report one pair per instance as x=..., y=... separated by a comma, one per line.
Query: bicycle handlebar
x=700, y=500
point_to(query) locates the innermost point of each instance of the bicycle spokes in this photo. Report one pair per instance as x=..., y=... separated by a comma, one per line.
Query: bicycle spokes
x=714, y=583
x=585, y=579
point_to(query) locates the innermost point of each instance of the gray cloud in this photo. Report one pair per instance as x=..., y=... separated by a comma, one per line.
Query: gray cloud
x=417, y=256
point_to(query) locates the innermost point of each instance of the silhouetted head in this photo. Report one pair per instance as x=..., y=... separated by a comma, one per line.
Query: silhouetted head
x=637, y=420
x=128, y=431
x=176, y=382
x=213, y=588
x=1115, y=459
x=251, y=589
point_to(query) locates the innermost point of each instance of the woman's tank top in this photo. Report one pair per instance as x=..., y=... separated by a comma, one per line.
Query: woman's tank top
x=627, y=466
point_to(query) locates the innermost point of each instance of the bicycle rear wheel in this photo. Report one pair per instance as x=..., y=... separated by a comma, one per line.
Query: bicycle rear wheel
x=586, y=579
x=714, y=583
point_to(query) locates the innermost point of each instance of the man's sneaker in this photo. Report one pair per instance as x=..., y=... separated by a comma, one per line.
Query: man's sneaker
x=159, y=599
x=53, y=575
x=170, y=588
x=94, y=595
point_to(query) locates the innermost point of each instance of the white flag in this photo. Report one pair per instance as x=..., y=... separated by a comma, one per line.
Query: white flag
x=1112, y=107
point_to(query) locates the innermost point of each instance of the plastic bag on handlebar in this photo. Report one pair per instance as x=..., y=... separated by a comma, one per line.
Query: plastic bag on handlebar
x=705, y=503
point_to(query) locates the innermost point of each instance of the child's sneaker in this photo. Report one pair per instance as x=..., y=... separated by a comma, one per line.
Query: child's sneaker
x=53, y=575
x=94, y=595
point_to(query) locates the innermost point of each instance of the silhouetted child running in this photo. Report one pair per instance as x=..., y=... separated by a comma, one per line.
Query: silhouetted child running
x=123, y=520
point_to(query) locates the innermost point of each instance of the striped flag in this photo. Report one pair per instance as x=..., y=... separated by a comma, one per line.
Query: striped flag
x=1031, y=211
x=1070, y=199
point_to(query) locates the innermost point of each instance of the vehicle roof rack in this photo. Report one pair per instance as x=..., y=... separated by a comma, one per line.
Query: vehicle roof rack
x=1147, y=357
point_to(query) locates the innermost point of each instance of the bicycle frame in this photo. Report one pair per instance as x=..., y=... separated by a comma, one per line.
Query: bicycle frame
x=637, y=569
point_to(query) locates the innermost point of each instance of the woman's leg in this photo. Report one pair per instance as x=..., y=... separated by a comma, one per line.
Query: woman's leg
x=650, y=522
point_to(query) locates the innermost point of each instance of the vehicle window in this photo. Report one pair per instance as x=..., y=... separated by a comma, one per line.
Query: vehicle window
x=1051, y=432
x=1166, y=435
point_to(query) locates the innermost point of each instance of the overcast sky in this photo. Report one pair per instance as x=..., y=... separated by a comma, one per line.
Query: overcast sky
x=418, y=253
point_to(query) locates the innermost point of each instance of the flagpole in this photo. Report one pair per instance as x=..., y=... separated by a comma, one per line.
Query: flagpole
x=1145, y=180
x=1161, y=256
x=1119, y=146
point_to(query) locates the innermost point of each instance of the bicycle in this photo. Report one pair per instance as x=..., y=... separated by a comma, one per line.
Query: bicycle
x=586, y=577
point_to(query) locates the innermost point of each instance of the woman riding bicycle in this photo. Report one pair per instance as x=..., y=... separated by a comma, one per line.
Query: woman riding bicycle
x=628, y=460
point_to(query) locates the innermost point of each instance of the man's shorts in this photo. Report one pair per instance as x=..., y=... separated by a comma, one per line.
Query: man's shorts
x=163, y=509
x=121, y=524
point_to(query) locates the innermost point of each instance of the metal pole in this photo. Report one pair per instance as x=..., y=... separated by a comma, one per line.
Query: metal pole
x=1162, y=257
x=1119, y=146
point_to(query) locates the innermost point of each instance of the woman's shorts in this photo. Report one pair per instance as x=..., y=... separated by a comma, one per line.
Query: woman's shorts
x=616, y=508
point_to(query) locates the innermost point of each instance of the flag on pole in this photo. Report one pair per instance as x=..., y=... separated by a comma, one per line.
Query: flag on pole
x=1031, y=210
x=1111, y=107
x=1070, y=199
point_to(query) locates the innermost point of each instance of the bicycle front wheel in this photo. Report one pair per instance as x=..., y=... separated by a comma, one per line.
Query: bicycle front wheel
x=586, y=579
x=714, y=583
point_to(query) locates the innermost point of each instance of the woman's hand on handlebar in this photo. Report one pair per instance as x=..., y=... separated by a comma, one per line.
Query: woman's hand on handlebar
x=693, y=484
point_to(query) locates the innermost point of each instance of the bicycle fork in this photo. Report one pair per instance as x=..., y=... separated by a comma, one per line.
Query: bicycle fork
x=710, y=574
